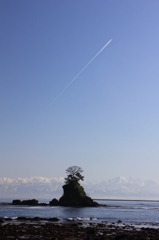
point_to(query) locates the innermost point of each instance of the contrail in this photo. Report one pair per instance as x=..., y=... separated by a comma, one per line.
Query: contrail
x=80, y=72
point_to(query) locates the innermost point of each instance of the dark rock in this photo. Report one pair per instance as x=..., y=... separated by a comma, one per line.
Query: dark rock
x=32, y=202
x=8, y=219
x=119, y=221
x=91, y=231
x=1, y=220
x=54, y=202
x=42, y=204
x=36, y=218
x=87, y=238
x=122, y=236
x=22, y=218
x=16, y=202
x=74, y=195
x=54, y=219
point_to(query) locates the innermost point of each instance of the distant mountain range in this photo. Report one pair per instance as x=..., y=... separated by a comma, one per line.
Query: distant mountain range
x=48, y=188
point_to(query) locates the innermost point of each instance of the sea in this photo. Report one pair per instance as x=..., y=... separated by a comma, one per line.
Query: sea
x=113, y=211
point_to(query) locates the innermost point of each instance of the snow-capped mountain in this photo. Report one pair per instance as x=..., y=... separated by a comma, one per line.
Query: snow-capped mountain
x=48, y=188
x=37, y=187
x=124, y=188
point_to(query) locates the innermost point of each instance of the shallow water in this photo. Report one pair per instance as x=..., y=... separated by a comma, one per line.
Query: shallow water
x=127, y=211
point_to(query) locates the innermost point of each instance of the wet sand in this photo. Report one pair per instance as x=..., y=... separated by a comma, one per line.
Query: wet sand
x=37, y=228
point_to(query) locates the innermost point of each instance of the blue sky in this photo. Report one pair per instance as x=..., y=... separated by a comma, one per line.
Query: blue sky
x=107, y=121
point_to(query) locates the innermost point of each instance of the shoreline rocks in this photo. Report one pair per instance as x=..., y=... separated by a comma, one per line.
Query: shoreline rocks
x=41, y=228
x=32, y=202
x=86, y=202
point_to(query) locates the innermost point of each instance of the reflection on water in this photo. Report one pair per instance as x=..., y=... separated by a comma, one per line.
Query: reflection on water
x=72, y=211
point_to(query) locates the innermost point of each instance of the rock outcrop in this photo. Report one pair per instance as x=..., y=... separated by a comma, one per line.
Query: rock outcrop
x=75, y=196
x=32, y=202
x=54, y=202
x=16, y=202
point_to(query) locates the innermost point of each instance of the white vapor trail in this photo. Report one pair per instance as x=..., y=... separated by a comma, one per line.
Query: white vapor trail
x=80, y=72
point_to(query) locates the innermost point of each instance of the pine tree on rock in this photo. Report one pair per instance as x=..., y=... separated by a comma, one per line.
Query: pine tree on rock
x=74, y=194
x=74, y=174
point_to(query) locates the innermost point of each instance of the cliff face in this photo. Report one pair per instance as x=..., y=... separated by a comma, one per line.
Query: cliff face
x=74, y=195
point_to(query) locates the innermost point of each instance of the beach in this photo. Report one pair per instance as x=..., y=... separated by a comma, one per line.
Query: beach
x=53, y=229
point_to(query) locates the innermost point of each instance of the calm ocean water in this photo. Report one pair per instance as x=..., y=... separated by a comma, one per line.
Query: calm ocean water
x=127, y=211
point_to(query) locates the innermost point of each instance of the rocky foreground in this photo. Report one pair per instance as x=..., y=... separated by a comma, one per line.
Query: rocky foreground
x=52, y=229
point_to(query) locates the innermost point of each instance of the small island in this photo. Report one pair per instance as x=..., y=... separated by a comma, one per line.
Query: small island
x=73, y=193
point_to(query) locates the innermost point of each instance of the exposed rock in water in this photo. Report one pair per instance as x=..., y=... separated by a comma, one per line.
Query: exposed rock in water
x=54, y=202
x=75, y=196
x=32, y=202
x=16, y=202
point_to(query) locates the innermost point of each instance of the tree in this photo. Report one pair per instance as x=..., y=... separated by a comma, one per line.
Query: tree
x=74, y=174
